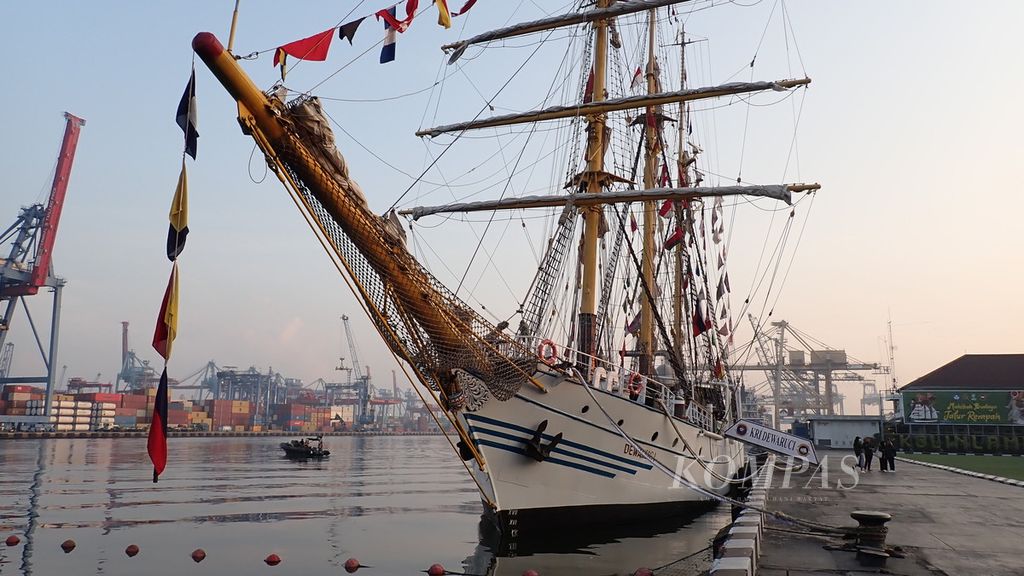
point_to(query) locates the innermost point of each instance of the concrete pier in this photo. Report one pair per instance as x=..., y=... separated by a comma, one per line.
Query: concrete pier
x=942, y=523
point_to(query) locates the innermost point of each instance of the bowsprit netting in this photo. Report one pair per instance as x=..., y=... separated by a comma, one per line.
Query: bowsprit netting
x=420, y=319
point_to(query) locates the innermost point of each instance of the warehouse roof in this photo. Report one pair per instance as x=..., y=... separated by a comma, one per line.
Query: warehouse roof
x=977, y=372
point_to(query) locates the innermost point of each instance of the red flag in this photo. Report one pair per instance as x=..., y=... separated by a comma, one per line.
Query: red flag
x=674, y=239
x=465, y=8
x=588, y=94
x=167, y=322
x=313, y=48
x=400, y=25
x=634, y=326
x=156, y=444
x=632, y=223
x=638, y=76
x=666, y=207
x=699, y=325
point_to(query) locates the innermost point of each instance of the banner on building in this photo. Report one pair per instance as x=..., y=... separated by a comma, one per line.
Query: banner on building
x=771, y=439
x=980, y=407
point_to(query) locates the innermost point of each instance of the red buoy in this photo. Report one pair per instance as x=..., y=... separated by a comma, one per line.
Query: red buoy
x=198, y=555
x=436, y=570
x=643, y=572
x=351, y=565
x=12, y=540
x=131, y=550
x=530, y=572
x=67, y=546
x=272, y=560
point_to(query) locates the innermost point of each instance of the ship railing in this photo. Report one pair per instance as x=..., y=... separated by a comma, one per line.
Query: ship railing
x=619, y=380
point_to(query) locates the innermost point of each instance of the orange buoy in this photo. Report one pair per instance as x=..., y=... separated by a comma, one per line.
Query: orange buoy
x=131, y=550
x=272, y=560
x=436, y=570
x=643, y=572
x=351, y=565
x=530, y=572
x=12, y=540
x=198, y=554
x=67, y=546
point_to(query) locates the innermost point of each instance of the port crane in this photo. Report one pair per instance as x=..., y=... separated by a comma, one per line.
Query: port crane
x=795, y=385
x=29, y=265
x=356, y=381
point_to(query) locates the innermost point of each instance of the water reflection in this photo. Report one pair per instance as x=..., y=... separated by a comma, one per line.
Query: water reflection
x=606, y=549
x=398, y=504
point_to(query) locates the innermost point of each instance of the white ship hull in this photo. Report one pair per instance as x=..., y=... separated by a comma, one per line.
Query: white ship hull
x=593, y=468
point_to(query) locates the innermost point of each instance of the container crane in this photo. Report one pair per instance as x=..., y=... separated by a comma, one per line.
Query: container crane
x=29, y=265
x=361, y=382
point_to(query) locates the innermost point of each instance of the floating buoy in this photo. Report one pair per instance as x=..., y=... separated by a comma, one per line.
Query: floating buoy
x=436, y=570
x=67, y=546
x=643, y=572
x=198, y=555
x=12, y=540
x=131, y=550
x=272, y=560
x=351, y=565
x=530, y=572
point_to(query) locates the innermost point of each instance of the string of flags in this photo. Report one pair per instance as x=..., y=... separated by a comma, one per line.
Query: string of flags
x=167, y=319
x=317, y=46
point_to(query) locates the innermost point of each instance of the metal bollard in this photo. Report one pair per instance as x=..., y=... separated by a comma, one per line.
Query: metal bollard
x=871, y=534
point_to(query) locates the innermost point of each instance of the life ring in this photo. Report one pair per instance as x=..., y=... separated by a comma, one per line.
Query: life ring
x=548, y=352
x=634, y=386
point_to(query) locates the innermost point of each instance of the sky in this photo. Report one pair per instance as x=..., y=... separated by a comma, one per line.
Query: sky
x=911, y=124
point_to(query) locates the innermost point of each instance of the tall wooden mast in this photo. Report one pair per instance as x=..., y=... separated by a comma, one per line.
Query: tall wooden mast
x=682, y=165
x=594, y=178
x=651, y=146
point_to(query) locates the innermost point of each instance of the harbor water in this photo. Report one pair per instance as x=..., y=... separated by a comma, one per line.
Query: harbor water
x=397, y=504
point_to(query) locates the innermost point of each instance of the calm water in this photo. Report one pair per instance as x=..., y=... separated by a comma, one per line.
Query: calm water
x=397, y=504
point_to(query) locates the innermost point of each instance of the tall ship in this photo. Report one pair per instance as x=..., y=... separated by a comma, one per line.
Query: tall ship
x=605, y=396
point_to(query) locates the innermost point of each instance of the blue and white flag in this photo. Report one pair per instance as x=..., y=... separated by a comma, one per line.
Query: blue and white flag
x=387, y=53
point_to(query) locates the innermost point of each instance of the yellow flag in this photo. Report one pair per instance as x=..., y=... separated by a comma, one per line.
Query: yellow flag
x=444, y=17
x=179, y=217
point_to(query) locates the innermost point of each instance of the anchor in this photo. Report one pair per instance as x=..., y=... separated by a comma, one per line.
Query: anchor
x=536, y=449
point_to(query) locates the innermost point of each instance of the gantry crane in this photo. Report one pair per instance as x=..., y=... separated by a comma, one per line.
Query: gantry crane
x=29, y=266
x=796, y=385
x=356, y=381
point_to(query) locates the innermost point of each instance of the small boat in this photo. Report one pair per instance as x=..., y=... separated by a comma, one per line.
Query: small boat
x=304, y=449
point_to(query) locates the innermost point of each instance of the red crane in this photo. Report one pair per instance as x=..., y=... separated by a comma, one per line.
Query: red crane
x=39, y=236
x=29, y=266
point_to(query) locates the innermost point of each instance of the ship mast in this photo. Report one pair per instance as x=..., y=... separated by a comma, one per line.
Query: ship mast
x=682, y=161
x=594, y=179
x=646, y=347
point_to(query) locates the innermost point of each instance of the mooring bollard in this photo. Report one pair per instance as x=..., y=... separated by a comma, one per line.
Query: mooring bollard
x=871, y=534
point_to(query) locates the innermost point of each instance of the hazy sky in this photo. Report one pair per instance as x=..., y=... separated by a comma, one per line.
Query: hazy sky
x=912, y=124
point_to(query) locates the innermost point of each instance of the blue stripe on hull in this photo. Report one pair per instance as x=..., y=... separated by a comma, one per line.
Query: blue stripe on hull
x=484, y=419
x=557, y=450
x=559, y=461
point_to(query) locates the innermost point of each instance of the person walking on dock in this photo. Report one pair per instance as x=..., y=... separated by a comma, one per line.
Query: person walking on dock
x=869, y=453
x=858, y=451
x=887, y=456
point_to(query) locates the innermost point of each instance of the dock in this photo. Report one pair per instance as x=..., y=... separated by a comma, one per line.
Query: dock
x=943, y=523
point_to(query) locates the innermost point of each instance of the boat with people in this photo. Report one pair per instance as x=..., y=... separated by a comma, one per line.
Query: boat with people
x=311, y=448
x=605, y=393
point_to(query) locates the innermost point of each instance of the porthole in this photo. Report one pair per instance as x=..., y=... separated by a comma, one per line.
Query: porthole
x=654, y=437
x=585, y=408
x=674, y=442
x=619, y=423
